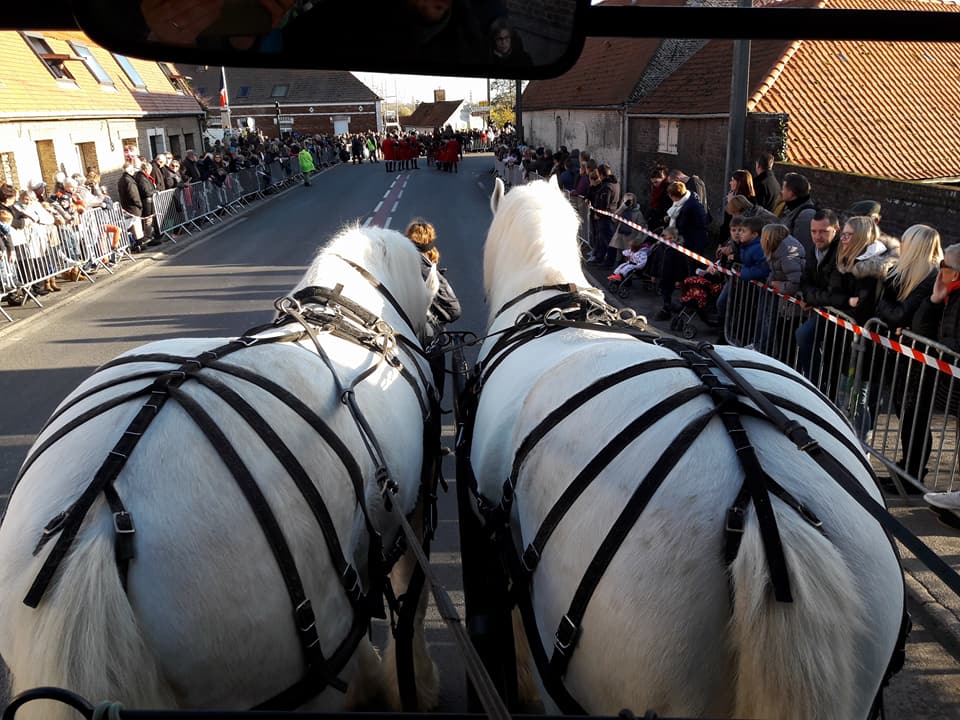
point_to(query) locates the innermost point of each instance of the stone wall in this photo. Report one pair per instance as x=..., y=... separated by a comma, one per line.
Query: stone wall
x=311, y=119
x=597, y=131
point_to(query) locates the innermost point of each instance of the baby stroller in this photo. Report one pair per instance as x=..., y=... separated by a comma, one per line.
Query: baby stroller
x=645, y=276
x=698, y=298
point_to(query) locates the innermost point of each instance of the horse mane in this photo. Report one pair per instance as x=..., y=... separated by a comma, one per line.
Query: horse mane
x=532, y=241
x=387, y=255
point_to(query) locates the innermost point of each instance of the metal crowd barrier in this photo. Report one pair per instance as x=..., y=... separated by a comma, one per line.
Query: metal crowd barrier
x=898, y=390
x=904, y=409
x=98, y=240
x=101, y=237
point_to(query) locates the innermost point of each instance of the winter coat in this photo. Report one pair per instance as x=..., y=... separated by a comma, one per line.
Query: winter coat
x=898, y=313
x=940, y=321
x=797, y=216
x=767, y=188
x=624, y=233
x=753, y=262
x=692, y=224
x=445, y=307
x=865, y=278
x=821, y=284
x=193, y=173
x=607, y=194
x=129, y=194
x=147, y=191
x=786, y=265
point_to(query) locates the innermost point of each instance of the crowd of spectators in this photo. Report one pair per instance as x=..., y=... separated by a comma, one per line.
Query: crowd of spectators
x=778, y=233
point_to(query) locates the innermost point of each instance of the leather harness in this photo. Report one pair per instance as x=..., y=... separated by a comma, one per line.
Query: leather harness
x=310, y=308
x=574, y=309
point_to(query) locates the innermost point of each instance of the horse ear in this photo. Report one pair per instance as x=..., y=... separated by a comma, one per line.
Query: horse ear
x=498, y=192
x=554, y=183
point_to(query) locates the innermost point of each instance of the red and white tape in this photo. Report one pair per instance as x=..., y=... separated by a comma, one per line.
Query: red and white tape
x=881, y=340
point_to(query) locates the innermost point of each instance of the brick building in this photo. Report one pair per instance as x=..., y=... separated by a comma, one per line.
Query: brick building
x=309, y=101
x=67, y=104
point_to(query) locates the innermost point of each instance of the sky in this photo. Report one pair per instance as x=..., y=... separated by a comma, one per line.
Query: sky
x=420, y=87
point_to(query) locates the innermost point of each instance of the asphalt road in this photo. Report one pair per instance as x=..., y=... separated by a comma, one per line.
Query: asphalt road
x=226, y=280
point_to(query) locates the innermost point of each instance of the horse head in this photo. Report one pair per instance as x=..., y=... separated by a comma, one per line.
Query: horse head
x=388, y=256
x=532, y=241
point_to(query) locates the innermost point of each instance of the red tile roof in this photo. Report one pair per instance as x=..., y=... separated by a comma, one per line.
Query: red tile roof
x=432, y=115
x=29, y=90
x=875, y=108
x=605, y=74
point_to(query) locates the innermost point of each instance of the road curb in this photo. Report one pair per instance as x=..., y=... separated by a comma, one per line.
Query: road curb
x=143, y=262
x=941, y=622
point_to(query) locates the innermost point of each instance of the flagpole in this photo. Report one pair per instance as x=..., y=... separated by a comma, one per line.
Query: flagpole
x=225, y=101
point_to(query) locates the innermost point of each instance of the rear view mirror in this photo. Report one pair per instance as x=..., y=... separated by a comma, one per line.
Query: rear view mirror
x=526, y=39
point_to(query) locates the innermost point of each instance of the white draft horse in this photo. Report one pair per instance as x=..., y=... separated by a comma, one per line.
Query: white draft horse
x=205, y=620
x=670, y=626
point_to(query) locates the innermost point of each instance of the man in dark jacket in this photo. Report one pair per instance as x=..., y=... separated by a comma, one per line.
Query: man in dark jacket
x=798, y=209
x=147, y=186
x=192, y=168
x=606, y=197
x=765, y=184
x=819, y=287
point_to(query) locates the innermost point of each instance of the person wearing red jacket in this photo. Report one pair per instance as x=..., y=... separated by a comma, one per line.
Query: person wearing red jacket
x=389, y=157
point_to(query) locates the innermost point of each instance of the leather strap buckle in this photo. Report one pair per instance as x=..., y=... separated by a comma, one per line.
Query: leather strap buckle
x=735, y=520
x=123, y=523
x=351, y=583
x=530, y=558
x=306, y=620
x=566, y=635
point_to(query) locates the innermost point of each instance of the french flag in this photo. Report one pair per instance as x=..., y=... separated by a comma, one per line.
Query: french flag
x=223, y=87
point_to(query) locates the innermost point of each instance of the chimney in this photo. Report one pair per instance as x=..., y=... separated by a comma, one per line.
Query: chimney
x=439, y=95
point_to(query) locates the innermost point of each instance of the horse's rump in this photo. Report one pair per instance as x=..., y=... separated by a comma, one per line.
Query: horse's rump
x=663, y=606
x=205, y=588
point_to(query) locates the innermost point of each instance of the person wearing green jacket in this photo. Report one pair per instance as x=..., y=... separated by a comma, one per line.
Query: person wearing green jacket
x=372, y=147
x=306, y=165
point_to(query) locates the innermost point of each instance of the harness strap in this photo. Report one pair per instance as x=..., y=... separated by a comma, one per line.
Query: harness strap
x=842, y=476
x=317, y=678
x=115, y=461
x=275, y=444
x=123, y=533
x=620, y=441
x=303, y=615
x=381, y=288
x=569, y=628
x=571, y=288
x=556, y=416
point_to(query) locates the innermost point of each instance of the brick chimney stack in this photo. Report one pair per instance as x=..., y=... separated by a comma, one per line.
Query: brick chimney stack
x=439, y=95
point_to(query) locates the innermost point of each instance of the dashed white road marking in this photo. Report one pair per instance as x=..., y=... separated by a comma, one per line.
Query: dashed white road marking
x=395, y=206
x=366, y=223
x=387, y=223
x=377, y=208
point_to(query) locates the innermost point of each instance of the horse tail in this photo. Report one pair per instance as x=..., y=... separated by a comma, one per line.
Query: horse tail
x=795, y=660
x=84, y=636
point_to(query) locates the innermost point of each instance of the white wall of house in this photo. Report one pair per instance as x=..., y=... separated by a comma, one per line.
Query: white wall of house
x=22, y=138
x=27, y=139
x=596, y=131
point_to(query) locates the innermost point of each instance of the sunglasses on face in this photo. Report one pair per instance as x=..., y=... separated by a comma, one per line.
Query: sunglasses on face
x=944, y=266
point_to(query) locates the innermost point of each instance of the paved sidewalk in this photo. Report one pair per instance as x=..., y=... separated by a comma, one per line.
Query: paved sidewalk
x=940, y=606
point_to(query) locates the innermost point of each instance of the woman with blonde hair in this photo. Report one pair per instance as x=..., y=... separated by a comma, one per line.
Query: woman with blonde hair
x=904, y=290
x=864, y=260
x=446, y=307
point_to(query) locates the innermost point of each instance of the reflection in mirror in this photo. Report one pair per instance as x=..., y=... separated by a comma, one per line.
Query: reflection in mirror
x=448, y=34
